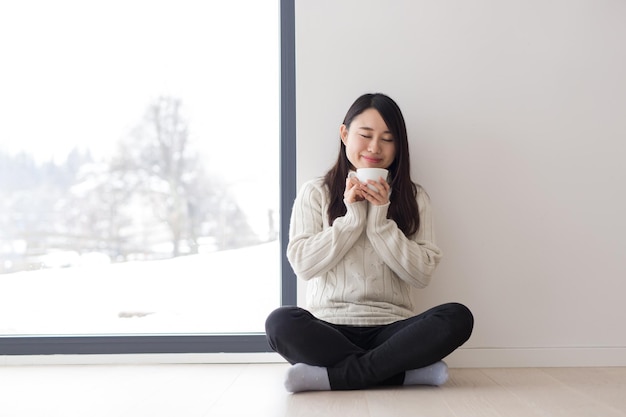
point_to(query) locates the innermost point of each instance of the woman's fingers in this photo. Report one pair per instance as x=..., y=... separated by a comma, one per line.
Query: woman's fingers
x=376, y=192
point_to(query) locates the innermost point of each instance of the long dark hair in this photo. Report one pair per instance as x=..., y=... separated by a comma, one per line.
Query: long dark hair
x=403, y=204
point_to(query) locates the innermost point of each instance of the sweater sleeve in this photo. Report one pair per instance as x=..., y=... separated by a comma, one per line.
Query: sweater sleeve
x=313, y=249
x=412, y=259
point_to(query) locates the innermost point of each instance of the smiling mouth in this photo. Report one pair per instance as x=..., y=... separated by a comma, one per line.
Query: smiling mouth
x=372, y=160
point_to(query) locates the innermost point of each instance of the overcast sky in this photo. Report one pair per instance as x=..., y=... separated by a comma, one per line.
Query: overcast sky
x=83, y=73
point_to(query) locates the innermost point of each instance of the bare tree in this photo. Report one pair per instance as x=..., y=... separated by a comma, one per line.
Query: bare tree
x=169, y=175
x=158, y=155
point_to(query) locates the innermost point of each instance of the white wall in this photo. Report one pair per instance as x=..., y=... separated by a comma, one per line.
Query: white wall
x=516, y=114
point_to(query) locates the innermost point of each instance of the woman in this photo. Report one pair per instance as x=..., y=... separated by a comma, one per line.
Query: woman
x=365, y=251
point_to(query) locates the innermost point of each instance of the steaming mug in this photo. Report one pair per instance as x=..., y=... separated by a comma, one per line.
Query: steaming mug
x=365, y=174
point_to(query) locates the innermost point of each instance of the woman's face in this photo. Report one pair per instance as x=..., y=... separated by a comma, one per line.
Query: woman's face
x=368, y=141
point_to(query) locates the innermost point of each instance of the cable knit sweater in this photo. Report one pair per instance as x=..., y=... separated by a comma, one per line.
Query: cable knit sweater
x=362, y=270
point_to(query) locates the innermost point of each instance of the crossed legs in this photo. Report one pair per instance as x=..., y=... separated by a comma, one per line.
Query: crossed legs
x=346, y=357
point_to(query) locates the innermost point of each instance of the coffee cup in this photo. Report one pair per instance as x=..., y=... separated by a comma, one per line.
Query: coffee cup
x=365, y=174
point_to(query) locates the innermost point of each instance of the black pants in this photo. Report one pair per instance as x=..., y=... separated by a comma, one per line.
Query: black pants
x=360, y=357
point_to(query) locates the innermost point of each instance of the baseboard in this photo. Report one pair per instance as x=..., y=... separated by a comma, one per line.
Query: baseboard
x=461, y=358
x=537, y=357
x=142, y=359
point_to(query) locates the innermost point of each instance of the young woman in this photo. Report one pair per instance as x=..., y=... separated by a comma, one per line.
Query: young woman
x=365, y=251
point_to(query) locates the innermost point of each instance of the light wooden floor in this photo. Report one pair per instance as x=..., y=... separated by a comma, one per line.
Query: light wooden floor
x=257, y=390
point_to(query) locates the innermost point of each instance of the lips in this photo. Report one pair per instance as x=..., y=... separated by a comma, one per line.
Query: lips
x=372, y=160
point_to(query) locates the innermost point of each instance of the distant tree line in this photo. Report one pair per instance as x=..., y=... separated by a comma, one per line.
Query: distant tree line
x=154, y=198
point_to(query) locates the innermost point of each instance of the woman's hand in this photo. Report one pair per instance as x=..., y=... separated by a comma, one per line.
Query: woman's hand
x=380, y=195
x=353, y=191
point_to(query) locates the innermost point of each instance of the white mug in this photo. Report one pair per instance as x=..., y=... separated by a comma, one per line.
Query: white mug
x=365, y=174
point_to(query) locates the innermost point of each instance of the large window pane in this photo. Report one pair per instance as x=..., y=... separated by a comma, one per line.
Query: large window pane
x=139, y=167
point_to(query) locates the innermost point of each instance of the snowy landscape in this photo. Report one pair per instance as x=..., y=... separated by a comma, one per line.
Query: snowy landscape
x=220, y=292
x=139, y=190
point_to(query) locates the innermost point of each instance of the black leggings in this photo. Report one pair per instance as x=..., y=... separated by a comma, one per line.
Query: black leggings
x=361, y=357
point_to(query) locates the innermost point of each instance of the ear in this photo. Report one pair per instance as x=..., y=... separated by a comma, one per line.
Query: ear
x=343, y=133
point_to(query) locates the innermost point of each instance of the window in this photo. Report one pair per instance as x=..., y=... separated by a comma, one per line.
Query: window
x=144, y=185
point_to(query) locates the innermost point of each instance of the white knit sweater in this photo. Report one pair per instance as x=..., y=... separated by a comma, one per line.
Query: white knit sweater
x=362, y=270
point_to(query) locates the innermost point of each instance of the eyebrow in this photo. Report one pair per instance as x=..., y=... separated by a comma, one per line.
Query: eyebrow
x=371, y=130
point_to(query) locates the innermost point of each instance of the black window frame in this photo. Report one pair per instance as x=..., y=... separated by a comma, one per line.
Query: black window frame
x=209, y=343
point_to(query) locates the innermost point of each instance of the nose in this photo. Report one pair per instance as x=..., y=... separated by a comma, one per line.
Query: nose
x=374, y=146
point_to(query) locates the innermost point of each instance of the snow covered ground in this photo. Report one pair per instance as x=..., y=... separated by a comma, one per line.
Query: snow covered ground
x=220, y=292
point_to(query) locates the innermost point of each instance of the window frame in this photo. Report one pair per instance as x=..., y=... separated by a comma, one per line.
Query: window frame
x=200, y=343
